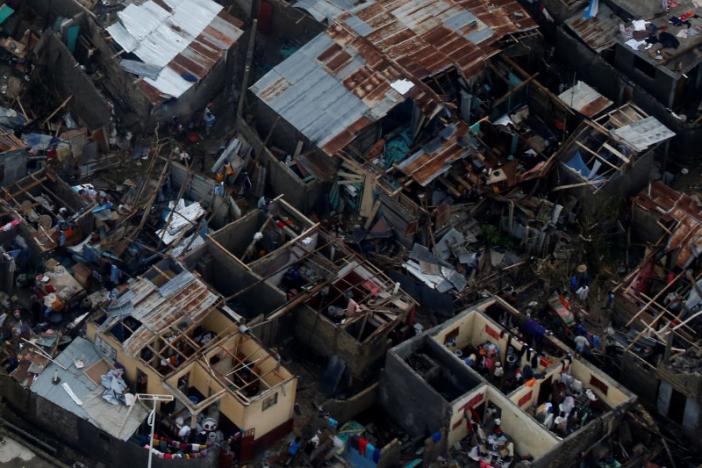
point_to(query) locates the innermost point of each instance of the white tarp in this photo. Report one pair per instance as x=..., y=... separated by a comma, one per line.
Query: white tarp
x=183, y=218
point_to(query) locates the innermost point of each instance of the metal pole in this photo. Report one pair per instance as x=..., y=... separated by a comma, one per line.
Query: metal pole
x=247, y=71
x=152, y=417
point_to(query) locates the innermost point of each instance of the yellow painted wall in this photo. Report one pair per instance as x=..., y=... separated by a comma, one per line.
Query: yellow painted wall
x=529, y=437
x=217, y=322
x=458, y=428
x=265, y=421
x=614, y=396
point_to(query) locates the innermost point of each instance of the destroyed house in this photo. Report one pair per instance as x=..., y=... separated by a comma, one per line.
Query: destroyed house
x=41, y=198
x=164, y=58
x=339, y=303
x=13, y=158
x=279, y=225
x=655, y=49
x=659, y=306
x=611, y=156
x=538, y=384
x=509, y=138
x=67, y=399
x=171, y=336
x=374, y=62
x=669, y=69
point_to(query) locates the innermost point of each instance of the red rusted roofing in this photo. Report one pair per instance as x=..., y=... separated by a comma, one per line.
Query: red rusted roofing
x=426, y=37
x=435, y=159
x=202, y=54
x=670, y=205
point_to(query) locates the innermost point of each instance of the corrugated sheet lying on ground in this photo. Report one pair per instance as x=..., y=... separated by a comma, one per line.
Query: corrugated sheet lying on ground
x=186, y=38
x=376, y=55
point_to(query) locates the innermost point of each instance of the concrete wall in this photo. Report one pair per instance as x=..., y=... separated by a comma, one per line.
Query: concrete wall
x=200, y=94
x=279, y=178
x=529, y=437
x=14, y=166
x=348, y=409
x=567, y=453
x=458, y=429
x=79, y=435
x=414, y=405
x=662, y=84
x=129, y=101
x=321, y=335
x=634, y=374
x=237, y=236
x=593, y=69
x=70, y=80
x=227, y=276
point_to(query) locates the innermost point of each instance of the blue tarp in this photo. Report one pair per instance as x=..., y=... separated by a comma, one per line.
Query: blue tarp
x=578, y=164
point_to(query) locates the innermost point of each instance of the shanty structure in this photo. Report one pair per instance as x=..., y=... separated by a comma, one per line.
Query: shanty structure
x=13, y=158
x=661, y=307
x=165, y=58
x=171, y=336
x=72, y=381
x=429, y=384
x=38, y=198
x=334, y=301
x=373, y=58
x=611, y=156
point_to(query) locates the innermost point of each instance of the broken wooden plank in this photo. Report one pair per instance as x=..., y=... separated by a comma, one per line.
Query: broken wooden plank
x=371, y=217
x=367, y=198
x=57, y=110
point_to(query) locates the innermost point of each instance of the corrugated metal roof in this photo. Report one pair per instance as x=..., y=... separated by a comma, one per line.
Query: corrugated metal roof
x=325, y=10
x=117, y=420
x=183, y=297
x=584, y=99
x=312, y=91
x=671, y=205
x=436, y=157
x=643, y=134
x=341, y=81
x=600, y=32
x=186, y=38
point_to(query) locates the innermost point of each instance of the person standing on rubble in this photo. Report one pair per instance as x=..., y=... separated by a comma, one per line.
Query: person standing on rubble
x=581, y=344
x=209, y=119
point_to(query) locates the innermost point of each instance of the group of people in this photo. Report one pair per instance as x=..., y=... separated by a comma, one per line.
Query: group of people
x=490, y=445
x=569, y=407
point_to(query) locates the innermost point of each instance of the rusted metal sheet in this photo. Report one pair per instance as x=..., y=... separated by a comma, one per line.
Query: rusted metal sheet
x=186, y=48
x=670, y=205
x=366, y=51
x=428, y=37
x=436, y=157
x=599, y=33
x=189, y=300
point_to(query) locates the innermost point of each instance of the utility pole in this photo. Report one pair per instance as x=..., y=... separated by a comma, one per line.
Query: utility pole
x=151, y=420
x=247, y=71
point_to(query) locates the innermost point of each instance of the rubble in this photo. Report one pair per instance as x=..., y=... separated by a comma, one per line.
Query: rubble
x=332, y=232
